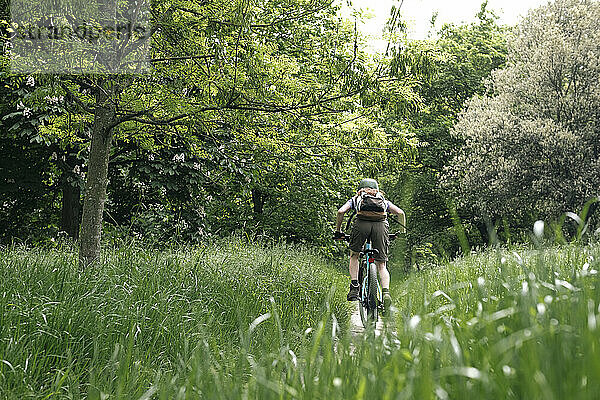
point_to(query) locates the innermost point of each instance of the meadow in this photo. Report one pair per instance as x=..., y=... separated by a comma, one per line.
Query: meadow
x=236, y=320
x=113, y=330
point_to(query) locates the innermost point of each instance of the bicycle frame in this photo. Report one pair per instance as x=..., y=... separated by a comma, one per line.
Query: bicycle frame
x=370, y=304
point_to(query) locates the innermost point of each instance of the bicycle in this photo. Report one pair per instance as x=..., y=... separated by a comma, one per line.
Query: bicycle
x=370, y=302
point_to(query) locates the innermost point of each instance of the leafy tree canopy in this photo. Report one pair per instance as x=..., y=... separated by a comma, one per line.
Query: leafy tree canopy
x=253, y=114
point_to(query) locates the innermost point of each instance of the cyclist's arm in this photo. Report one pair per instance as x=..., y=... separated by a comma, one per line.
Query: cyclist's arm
x=392, y=209
x=340, y=215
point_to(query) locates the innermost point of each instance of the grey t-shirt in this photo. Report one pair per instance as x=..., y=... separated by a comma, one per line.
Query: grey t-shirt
x=352, y=203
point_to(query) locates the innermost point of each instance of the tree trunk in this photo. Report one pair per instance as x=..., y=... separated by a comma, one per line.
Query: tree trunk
x=95, y=190
x=483, y=231
x=258, y=201
x=71, y=209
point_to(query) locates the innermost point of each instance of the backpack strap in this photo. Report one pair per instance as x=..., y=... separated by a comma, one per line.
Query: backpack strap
x=350, y=220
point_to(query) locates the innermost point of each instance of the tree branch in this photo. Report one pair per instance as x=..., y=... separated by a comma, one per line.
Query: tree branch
x=150, y=120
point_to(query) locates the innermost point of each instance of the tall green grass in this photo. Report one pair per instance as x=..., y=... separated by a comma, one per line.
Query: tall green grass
x=505, y=324
x=509, y=324
x=114, y=329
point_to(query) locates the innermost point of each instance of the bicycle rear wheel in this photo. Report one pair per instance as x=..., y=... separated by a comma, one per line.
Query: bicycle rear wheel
x=368, y=300
x=373, y=287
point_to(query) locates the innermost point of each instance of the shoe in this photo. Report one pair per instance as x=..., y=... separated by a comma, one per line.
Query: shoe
x=387, y=302
x=353, y=293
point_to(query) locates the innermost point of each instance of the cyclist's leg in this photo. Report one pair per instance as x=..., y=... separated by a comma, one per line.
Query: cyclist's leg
x=353, y=265
x=381, y=241
x=384, y=275
x=358, y=237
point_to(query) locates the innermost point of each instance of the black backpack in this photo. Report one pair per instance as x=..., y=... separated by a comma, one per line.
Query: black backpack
x=370, y=205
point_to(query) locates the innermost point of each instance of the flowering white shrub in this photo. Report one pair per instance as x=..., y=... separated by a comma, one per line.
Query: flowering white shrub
x=532, y=149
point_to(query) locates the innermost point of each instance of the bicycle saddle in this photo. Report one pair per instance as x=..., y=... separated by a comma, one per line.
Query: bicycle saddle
x=371, y=251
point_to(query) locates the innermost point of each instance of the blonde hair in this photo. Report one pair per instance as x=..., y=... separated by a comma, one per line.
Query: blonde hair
x=361, y=190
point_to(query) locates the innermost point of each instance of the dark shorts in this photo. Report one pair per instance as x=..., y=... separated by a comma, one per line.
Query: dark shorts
x=377, y=231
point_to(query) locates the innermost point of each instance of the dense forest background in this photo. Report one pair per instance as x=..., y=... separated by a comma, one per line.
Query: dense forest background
x=259, y=117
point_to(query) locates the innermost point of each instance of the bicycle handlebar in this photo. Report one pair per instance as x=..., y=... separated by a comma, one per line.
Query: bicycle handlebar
x=345, y=238
x=392, y=236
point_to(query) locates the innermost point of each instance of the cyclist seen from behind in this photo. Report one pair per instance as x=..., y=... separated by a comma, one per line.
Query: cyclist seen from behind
x=371, y=223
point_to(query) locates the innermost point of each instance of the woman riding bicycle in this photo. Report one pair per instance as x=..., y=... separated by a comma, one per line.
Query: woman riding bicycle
x=371, y=223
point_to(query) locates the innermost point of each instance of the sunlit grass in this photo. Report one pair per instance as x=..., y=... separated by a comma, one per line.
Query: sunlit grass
x=498, y=325
x=518, y=324
x=114, y=328
x=503, y=324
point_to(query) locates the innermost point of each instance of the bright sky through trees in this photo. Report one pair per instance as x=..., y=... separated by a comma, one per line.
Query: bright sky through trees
x=418, y=14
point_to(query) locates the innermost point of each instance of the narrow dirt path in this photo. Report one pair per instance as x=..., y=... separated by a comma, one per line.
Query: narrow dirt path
x=356, y=327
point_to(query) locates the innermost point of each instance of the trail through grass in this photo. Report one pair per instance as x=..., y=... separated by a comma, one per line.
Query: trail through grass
x=505, y=324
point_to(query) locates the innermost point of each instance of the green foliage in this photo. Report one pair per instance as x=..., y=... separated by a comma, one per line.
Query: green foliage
x=254, y=116
x=25, y=196
x=452, y=67
x=30, y=174
x=158, y=195
x=531, y=146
